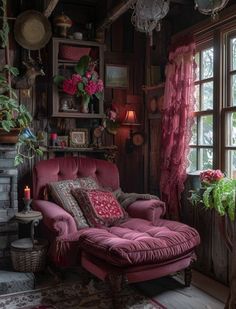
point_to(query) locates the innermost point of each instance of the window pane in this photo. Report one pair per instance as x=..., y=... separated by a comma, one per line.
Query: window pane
x=207, y=96
x=233, y=53
x=231, y=129
x=197, y=68
x=233, y=90
x=207, y=63
x=231, y=163
x=206, y=158
x=192, y=158
x=197, y=97
x=193, y=140
x=206, y=130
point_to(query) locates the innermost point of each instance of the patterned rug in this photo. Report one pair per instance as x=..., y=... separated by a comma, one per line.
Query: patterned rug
x=95, y=295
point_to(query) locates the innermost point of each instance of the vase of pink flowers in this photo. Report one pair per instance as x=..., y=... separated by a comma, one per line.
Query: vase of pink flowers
x=84, y=83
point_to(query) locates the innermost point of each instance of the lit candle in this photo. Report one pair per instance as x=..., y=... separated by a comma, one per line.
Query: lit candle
x=27, y=193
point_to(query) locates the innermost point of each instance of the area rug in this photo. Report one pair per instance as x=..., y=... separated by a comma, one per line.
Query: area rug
x=95, y=295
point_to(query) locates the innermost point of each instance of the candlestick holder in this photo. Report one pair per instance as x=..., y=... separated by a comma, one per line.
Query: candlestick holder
x=27, y=203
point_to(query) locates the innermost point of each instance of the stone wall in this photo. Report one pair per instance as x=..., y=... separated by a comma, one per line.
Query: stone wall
x=8, y=202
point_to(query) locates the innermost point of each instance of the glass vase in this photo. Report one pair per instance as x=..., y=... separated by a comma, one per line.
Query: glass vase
x=85, y=104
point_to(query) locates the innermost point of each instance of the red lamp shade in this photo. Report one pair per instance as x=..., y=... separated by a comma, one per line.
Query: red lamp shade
x=131, y=118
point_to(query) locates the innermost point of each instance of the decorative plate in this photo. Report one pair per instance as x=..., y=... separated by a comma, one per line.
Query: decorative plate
x=32, y=30
x=138, y=139
x=152, y=105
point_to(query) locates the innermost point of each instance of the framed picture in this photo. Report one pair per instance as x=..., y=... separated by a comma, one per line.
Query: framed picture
x=116, y=76
x=62, y=141
x=79, y=138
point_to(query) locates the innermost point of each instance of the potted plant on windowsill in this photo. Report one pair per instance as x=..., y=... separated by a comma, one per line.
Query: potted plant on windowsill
x=15, y=120
x=218, y=192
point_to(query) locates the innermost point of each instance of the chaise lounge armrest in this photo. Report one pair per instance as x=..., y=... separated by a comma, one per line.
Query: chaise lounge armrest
x=55, y=218
x=151, y=210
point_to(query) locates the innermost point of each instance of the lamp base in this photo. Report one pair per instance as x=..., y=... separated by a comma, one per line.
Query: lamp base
x=129, y=146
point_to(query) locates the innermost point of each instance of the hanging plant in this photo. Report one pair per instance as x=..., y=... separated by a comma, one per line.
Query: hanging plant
x=14, y=117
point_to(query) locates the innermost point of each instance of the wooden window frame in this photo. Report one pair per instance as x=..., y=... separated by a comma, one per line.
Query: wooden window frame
x=198, y=114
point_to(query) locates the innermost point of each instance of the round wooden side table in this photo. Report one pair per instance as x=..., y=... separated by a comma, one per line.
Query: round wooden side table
x=29, y=254
x=32, y=217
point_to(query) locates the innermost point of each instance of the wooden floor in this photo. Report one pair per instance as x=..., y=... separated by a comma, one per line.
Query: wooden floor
x=171, y=293
x=204, y=292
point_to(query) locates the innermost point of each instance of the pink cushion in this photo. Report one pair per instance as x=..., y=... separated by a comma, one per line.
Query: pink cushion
x=99, y=207
x=138, y=242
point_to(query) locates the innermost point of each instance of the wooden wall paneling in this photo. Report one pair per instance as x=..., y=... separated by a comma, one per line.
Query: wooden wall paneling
x=219, y=252
x=187, y=209
x=117, y=35
x=154, y=155
x=204, y=251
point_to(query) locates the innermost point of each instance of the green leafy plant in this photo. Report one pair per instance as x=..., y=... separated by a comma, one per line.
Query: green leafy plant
x=216, y=192
x=13, y=115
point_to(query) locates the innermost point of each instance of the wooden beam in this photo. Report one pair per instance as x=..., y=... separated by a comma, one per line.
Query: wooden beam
x=115, y=13
x=122, y=7
x=51, y=6
x=184, y=2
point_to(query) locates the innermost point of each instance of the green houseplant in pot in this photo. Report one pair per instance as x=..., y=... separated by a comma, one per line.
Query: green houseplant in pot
x=218, y=192
x=15, y=120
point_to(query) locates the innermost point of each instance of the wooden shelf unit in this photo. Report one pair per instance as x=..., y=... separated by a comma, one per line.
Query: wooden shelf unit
x=107, y=152
x=57, y=62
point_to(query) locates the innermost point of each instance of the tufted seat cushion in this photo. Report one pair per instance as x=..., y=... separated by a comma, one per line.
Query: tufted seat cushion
x=139, y=242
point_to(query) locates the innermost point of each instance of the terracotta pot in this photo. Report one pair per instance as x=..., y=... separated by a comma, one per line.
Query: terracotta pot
x=9, y=137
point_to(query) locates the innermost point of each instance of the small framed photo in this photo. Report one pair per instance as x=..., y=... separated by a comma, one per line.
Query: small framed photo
x=62, y=141
x=116, y=76
x=79, y=138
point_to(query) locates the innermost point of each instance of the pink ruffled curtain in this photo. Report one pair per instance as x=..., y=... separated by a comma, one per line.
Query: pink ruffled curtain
x=176, y=124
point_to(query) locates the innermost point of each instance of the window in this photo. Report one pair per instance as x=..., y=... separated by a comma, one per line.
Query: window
x=201, y=144
x=213, y=143
x=230, y=107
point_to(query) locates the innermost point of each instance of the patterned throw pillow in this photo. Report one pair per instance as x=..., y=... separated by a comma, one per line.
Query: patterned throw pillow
x=61, y=195
x=99, y=207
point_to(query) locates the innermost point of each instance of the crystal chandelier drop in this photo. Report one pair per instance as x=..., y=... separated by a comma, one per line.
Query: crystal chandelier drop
x=147, y=14
x=210, y=7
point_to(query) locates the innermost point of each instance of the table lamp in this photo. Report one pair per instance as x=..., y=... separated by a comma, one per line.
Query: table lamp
x=130, y=120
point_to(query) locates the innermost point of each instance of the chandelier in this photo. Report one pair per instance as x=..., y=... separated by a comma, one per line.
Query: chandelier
x=210, y=7
x=147, y=14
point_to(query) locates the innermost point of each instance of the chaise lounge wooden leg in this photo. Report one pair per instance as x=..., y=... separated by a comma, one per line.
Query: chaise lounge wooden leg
x=188, y=276
x=115, y=283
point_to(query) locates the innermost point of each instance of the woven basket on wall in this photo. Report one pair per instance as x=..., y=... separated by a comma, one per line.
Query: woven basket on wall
x=30, y=259
x=73, y=53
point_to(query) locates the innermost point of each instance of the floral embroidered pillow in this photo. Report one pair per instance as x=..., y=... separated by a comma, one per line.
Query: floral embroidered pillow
x=60, y=192
x=99, y=207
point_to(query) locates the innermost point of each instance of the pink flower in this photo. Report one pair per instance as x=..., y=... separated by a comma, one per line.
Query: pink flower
x=100, y=86
x=209, y=176
x=69, y=87
x=76, y=78
x=91, y=88
x=112, y=115
x=88, y=75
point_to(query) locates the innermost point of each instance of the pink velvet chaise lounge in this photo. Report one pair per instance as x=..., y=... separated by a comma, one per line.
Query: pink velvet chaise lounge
x=143, y=247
